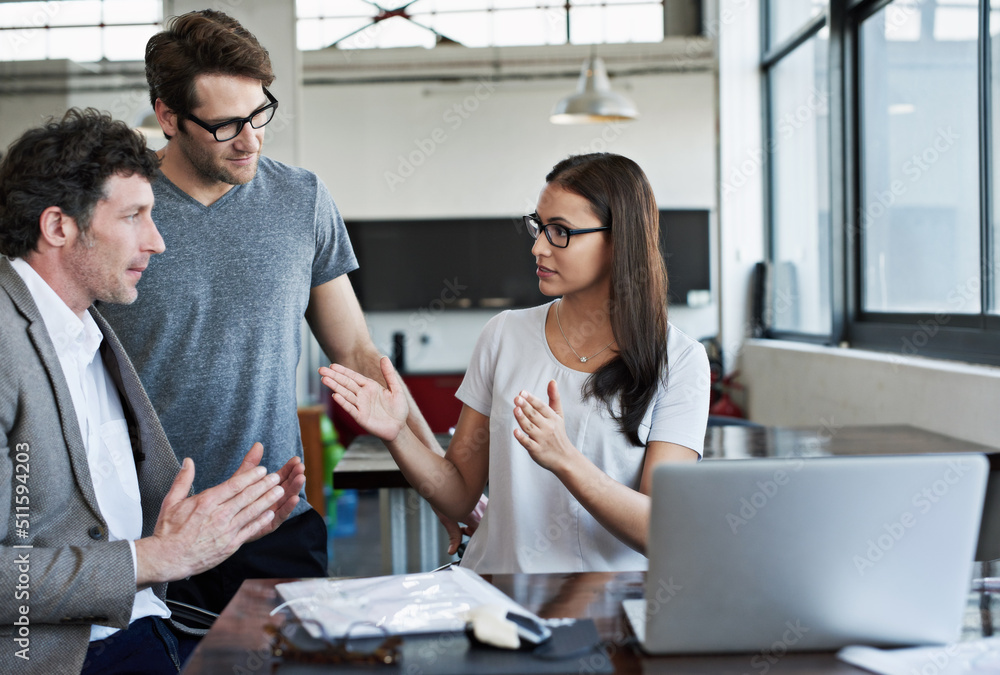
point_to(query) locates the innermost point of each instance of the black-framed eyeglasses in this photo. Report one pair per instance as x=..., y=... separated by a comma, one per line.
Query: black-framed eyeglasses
x=230, y=129
x=557, y=235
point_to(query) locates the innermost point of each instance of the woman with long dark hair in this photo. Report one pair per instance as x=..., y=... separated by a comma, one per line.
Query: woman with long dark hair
x=570, y=405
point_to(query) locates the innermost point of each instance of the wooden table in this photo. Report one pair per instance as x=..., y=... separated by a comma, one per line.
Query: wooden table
x=238, y=644
x=367, y=464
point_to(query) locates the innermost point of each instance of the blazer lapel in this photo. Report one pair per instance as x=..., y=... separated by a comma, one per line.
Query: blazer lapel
x=39, y=335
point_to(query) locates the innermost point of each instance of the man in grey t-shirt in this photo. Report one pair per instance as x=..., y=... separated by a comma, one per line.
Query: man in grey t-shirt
x=252, y=246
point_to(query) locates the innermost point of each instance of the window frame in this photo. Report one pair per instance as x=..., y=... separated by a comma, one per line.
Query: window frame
x=973, y=338
x=770, y=58
x=103, y=26
x=384, y=13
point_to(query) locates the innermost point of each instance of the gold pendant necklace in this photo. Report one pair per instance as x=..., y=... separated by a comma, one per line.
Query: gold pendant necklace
x=583, y=359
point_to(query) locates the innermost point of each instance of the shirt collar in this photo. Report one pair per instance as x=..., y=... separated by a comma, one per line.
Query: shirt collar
x=70, y=335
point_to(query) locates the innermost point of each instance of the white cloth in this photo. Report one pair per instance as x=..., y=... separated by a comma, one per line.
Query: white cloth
x=102, y=426
x=533, y=523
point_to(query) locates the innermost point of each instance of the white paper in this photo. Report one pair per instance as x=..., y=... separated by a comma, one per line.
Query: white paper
x=974, y=657
x=400, y=604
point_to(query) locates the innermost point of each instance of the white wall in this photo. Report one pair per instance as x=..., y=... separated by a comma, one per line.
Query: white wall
x=376, y=146
x=18, y=114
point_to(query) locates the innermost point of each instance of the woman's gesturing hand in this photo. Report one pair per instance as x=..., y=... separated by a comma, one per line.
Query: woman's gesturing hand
x=379, y=411
x=542, y=430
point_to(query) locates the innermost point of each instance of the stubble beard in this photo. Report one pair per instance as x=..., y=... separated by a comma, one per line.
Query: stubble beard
x=206, y=165
x=88, y=268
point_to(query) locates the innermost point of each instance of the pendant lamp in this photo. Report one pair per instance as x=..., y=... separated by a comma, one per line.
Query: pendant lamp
x=593, y=102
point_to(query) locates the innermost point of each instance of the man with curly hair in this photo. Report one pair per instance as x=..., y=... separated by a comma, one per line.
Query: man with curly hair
x=95, y=512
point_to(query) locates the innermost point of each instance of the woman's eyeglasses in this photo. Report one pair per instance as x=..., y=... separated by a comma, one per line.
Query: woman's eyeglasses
x=557, y=235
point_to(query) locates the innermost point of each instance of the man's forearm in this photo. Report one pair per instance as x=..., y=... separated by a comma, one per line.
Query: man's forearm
x=150, y=566
x=418, y=425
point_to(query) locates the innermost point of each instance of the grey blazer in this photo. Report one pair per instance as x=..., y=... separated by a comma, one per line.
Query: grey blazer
x=71, y=576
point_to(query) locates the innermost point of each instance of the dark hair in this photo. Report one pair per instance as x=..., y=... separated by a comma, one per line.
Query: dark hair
x=196, y=43
x=65, y=163
x=621, y=197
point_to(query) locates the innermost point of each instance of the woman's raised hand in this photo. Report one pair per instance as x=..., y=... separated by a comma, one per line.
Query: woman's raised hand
x=542, y=430
x=379, y=411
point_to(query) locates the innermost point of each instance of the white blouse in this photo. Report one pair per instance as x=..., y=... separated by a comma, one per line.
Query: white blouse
x=533, y=523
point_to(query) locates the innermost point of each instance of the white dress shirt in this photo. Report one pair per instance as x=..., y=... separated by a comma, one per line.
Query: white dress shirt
x=102, y=426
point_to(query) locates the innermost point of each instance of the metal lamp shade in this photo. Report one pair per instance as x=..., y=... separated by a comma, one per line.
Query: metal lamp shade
x=593, y=102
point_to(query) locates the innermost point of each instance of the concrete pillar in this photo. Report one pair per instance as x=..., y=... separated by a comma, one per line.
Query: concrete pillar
x=741, y=179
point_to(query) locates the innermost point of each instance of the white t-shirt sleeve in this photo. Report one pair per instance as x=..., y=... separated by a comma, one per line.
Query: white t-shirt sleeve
x=477, y=386
x=680, y=410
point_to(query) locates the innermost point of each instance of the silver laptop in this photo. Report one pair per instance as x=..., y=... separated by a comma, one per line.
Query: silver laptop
x=776, y=555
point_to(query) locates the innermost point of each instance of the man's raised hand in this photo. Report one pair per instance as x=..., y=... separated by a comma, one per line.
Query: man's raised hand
x=195, y=533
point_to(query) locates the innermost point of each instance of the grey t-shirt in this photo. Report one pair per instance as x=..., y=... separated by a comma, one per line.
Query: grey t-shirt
x=215, y=332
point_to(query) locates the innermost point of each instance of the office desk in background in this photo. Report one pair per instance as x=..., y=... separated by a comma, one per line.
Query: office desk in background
x=238, y=643
x=830, y=439
x=368, y=465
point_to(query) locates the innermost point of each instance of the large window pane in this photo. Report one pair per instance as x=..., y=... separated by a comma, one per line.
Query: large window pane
x=133, y=11
x=315, y=9
x=26, y=14
x=77, y=44
x=484, y=23
x=471, y=29
x=123, y=43
x=77, y=29
x=321, y=33
x=79, y=13
x=787, y=17
x=919, y=201
x=799, y=144
x=530, y=27
x=605, y=24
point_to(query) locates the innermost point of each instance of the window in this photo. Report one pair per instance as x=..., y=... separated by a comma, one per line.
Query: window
x=919, y=160
x=788, y=18
x=798, y=144
x=880, y=210
x=801, y=200
x=82, y=30
x=356, y=24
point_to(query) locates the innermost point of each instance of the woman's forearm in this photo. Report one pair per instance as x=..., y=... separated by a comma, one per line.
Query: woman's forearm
x=437, y=479
x=624, y=512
